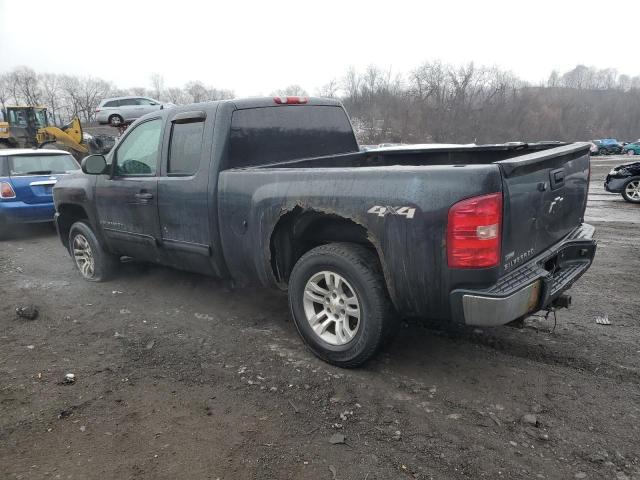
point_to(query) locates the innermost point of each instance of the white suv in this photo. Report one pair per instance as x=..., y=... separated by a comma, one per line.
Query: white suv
x=119, y=110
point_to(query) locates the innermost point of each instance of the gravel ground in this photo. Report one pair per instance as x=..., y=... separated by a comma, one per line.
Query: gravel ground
x=178, y=376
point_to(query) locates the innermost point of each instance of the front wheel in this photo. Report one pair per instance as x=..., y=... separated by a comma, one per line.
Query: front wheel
x=631, y=191
x=340, y=305
x=631, y=152
x=93, y=262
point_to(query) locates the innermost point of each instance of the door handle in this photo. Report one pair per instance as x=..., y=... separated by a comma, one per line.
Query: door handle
x=144, y=196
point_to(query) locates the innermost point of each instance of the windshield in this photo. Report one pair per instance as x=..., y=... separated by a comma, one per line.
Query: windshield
x=41, y=164
x=23, y=117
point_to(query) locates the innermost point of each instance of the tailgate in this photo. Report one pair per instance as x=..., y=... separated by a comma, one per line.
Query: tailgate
x=545, y=195
x=33, y=189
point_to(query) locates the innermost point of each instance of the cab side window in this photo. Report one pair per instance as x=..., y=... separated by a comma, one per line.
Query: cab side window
x=185, y=148
x=138, y=153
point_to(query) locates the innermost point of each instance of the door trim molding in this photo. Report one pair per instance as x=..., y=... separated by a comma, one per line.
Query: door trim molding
x=130, y=236
x=183, y=246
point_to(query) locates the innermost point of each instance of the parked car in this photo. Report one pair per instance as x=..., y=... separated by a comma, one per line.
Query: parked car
x=276, y=192
x=608, y=146
x=625, y=179
x=26, y=179
x=119, y=110
x=632, y=148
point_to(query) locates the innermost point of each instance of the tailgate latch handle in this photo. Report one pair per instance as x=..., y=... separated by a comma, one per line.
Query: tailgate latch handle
x=557, y=178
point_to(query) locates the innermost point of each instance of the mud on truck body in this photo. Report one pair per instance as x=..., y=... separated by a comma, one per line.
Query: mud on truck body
x=275, y=192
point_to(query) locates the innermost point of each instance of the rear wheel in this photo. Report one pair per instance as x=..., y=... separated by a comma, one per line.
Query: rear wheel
x=631, y=190
x=116, y=120
x=631, y=152
x=340, y=305
x=93, y=262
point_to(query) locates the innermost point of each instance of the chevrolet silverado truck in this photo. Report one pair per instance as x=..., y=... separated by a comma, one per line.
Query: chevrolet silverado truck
x=276, y=192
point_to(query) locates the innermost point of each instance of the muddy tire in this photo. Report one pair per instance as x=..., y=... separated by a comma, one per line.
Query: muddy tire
x=340, y=304
x=631, y=190
x=116, y=120
x=94, y=263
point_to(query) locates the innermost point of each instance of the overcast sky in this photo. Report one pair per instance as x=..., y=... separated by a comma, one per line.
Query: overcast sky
x=255, y=47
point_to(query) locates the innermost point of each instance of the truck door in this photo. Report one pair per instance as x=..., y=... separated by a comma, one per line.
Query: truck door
x=184, y=202
x=126, y=201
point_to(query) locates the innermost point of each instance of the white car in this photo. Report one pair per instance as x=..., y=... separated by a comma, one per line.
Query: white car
x=119, y=110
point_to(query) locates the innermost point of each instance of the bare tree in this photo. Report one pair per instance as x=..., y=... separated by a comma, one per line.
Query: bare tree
x=25, y=86
x=138, y=91
x=291, y=91
x=51, y=87
x=5, y=92
x=434, y=102
x=197, y=91
x=177, y=96
x=329, y=90
x=157, y=85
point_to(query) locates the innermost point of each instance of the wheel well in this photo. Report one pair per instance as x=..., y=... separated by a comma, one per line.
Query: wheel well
x=299, y=231
x=69, y=214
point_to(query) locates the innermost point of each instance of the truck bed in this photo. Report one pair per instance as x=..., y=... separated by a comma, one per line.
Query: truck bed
x=427, y=154
x=429, y=180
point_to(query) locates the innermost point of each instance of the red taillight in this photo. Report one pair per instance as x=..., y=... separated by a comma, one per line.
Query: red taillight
x=474, y=232
x=6, y=190
x=290, y=100
x=97, y=110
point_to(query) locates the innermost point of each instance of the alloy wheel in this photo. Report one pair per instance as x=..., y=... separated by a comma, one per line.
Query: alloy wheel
x=332, y=308
x=83, y=256
x=633, y=190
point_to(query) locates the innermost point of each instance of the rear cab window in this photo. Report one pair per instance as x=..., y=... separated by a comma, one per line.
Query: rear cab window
x=40, y=164
x=264, y=135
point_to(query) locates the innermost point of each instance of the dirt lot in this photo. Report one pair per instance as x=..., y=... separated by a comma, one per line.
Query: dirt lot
x=179, y=376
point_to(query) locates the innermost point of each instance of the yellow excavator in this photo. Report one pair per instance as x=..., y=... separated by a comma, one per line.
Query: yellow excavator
x=28, y=127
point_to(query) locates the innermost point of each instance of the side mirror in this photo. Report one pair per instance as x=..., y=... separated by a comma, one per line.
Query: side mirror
x=94, y=165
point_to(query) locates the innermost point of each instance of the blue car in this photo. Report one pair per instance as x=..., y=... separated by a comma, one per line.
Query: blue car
x=27, y=177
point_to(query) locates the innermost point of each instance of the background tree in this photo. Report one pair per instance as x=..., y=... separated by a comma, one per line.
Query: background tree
x=434, y=102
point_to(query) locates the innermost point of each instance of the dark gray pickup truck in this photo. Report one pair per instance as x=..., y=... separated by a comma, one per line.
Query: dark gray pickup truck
x=276, y=192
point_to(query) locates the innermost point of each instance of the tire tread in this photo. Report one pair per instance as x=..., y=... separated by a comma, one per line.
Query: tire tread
x=368, y=267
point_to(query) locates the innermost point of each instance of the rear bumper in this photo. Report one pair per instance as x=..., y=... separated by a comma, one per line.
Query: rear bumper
x=531, y=287
x=20, y=212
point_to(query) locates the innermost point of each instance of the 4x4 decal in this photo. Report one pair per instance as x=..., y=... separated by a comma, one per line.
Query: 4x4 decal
x=408, y=212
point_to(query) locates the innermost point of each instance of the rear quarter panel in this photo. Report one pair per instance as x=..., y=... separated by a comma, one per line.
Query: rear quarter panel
x=412, y=250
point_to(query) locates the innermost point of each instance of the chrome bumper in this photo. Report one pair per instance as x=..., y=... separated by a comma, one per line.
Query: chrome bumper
x=531, y=287
x=493, y=311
